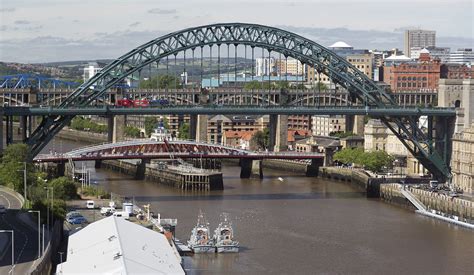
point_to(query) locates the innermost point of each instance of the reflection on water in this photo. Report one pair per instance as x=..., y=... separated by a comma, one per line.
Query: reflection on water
x=304, y=226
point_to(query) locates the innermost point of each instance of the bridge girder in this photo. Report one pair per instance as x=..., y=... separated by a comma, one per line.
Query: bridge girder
x=272, y=39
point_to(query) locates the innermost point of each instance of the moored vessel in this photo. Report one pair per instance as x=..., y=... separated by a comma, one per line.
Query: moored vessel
x=224, y=236
x=200, y=241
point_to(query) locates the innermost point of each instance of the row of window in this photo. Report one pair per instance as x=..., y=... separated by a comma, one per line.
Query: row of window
x=404, y=78
x=411, y=85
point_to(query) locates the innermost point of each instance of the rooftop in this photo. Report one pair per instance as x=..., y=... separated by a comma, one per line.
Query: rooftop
x=116, y=246
x=340, y=44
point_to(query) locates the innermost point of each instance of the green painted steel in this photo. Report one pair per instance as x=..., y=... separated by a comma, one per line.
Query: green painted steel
x=232, y=110
x=272, y=39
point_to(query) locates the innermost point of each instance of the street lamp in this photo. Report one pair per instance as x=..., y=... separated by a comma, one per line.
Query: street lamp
x=13, y=247
x=39, y=231
x=24, y=179
x=47, y=197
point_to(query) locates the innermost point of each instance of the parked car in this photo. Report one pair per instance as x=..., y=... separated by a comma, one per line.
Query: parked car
x=107, y=211
x=77, y=220
x=90, y=204
x=73, y=214
x=3, y=210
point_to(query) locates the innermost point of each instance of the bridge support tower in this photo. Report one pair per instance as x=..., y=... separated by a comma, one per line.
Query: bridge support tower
x=118, y=128
x=251, y=167
x=98, y=164
x=278, y=133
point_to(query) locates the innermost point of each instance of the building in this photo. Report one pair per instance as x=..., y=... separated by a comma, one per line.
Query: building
x=289, y=66
x=218, y=125
x=412, y=76
x=90, y=71
x=299, y=122
x=352, y=142
x=116, y=246
x=296, y=135
x=324, y=125
x=441, y=53
x=462, y=163
x=458, y=93
x=375, y=135
x=239, y=139
x=462, y=56
x=418, y=38
x=456, y=71
x=363, y=62
x=264, y=66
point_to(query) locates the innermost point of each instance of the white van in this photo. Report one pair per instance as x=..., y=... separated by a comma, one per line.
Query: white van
x=90, y=204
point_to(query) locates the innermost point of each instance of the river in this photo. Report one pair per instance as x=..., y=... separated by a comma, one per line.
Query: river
x=302, y=225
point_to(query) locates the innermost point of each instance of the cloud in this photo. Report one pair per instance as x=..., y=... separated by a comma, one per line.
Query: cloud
x=162, y=11
x=7, y=9
x=134, y=24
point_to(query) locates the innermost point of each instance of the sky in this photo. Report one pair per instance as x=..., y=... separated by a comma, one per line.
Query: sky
x=64, y=30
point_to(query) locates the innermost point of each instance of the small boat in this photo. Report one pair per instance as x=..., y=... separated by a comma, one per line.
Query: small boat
x=224, y=236
x=199, y=242
x=280, y=178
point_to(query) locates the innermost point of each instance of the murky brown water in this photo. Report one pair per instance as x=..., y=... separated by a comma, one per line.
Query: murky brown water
x=304, y=226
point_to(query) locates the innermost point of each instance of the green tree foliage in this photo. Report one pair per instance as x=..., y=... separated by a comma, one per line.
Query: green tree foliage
x=183, y=131
x=162, y=82
x=150, y=124
x=85, y=124
x=95, y=191
x=131, y=131
x=12, y=166
x=261, y=139
x=275, y=85
x=373, y=161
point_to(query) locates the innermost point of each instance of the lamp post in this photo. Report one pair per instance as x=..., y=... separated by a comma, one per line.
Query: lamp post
x=13, y=247
x=39, y=230
x=24, y=179
x=47, y=197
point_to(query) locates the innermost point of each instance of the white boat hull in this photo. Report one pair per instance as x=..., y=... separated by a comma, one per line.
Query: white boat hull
x=203, y=249
x=227, y=249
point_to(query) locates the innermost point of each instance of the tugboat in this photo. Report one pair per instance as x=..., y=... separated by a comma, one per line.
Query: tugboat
x=223, y=236
x=199, y=242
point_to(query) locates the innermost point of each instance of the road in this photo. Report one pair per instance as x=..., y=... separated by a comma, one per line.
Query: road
x=26, y=238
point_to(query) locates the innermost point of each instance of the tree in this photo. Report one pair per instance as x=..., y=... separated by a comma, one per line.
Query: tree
x=184, y=131
x=131, y=131
x=150, y=124
x=11, y=168
x=162, y=82
x=261, y=139
x=373, y=161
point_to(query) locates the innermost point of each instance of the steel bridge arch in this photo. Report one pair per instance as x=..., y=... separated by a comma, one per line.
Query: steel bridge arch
x=270, y=38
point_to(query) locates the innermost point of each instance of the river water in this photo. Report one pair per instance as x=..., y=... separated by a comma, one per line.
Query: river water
x=302, y=226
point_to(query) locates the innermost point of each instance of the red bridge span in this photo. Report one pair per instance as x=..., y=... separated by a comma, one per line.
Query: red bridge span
x=145, y=150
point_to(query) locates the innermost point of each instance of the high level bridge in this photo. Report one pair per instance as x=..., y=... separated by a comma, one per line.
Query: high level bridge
x=208, y=51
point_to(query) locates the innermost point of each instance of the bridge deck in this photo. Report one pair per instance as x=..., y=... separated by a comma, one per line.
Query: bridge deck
x=237, y=110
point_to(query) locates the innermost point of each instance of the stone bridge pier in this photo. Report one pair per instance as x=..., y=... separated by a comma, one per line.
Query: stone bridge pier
x=251, y=167
x=312, y=170
x=278, y=125
x=141, y=169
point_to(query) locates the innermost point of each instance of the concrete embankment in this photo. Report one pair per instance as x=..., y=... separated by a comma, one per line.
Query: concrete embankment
x=448, y=205
x=358, y=178
x=81, y=136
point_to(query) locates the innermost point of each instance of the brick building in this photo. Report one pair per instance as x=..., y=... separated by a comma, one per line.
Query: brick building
x=413, y=76
x=456, y=71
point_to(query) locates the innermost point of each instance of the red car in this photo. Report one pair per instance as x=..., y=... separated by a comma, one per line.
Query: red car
x=128, y=103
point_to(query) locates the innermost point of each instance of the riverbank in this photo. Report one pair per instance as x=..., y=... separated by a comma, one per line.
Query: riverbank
x=450, y=206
